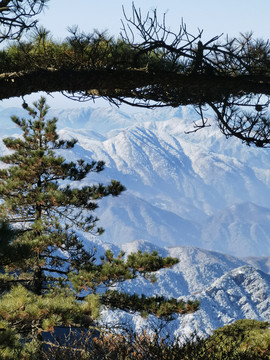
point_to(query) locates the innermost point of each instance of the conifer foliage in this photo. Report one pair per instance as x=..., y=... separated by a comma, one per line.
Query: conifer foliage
x=44, y=212
x=47, y=277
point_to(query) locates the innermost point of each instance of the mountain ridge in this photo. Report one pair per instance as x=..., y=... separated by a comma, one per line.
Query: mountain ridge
x=185, y=185
x=199, y=197
x=228, y=289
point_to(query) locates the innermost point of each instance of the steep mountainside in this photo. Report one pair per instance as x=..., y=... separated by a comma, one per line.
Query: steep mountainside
x=227, y=288
x=197, y=189
x=194, y=196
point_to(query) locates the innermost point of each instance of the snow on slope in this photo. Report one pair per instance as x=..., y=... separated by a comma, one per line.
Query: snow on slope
x=227, y=288
x=198, y=189
x=242, y=293
x=244, y=223
x=129, y=217
x=197, y=269
x=182, y=190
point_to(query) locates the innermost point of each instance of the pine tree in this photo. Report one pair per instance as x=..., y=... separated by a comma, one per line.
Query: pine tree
x=43, y=211
x=48, y=277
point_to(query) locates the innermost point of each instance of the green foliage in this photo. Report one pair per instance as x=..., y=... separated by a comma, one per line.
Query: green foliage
x=10, y=252
x=79, y=51
x=243, y=336
x=10, y=345
x=47, y=213
x=149, y=262
x=116, y=269
x=99, y=51
x=24, y=308
x=156, y=305
x=48, y=278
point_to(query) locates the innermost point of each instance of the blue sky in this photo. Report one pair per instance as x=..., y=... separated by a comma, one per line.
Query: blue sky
x=212, y=16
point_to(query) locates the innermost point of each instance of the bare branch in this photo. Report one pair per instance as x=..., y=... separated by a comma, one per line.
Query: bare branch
x=203, y=123
x=251, y=127
x=16, y=17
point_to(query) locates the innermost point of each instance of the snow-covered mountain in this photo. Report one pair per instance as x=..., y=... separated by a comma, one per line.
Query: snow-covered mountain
x=195, y=196
x=245, y=223
x=197, y=189
x=227, y=287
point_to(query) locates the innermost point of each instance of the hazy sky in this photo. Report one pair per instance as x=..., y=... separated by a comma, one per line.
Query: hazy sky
x=212, y=16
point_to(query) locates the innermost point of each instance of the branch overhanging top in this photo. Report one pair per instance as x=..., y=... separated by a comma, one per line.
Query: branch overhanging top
x=163, y=68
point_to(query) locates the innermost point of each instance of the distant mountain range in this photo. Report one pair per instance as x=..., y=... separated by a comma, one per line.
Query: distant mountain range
x=197, y=189
x=196, y=196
